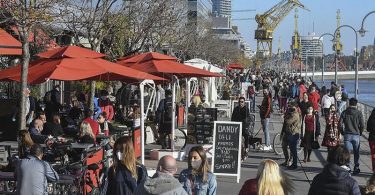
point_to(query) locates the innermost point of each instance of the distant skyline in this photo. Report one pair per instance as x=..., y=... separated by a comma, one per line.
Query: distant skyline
x=321, y=17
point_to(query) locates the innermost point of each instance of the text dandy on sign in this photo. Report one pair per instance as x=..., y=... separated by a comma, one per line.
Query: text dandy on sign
x=227, y=148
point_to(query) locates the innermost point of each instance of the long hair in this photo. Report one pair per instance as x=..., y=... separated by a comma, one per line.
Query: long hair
x=370, y=187
x=271, y=180
x=85, y=129
x=125, y=146
x=204, y=168
x=24, y=141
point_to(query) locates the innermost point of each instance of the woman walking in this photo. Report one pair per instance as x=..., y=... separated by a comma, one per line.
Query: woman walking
x=331, y=135
x=310, y=132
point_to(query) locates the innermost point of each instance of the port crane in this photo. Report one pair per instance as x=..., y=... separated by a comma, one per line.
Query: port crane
x=267, y=23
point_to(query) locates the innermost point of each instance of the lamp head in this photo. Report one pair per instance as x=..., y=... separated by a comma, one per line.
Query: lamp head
x=362, y=32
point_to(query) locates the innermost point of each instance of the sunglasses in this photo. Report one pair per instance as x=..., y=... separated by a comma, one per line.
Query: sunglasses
x=242, y=102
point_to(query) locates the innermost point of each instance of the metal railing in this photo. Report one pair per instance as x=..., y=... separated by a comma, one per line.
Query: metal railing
x=366, y=110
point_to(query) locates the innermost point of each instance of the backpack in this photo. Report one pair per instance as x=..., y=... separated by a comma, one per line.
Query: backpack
x=48, y=97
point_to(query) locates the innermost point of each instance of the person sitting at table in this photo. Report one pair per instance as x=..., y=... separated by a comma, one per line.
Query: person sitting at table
x=86, y=136
x=53, y=128
x=104, y=126
x=93, y=124
x=24, y=143
x=32, y=173
x=35, y=132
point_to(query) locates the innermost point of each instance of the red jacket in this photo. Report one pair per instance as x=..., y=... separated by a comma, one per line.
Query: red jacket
x=250, y=187
x=314, y=97
x=302, y=90
x=93, y=124
x=107, y=107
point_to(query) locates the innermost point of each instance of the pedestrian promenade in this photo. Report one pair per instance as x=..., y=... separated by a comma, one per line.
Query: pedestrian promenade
x=301, y=176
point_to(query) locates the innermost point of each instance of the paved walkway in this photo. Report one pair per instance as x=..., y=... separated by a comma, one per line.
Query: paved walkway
x=301, y=176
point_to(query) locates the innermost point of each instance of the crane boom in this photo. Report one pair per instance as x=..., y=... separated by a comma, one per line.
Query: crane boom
x=267, y=23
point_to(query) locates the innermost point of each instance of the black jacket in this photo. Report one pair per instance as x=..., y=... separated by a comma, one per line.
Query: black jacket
x=334, y=180
x=241, y=115
x=121, y=182
x=371, y=128
x=351, y=122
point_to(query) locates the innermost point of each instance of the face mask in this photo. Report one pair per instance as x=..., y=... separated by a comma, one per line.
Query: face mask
x=292, y=109
x=119, y=155
x=309, y=111
x=196, y=164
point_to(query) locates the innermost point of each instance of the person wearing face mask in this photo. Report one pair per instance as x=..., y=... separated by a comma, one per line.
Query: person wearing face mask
x=331, y=135
x=310, y=132
x=106, y=105
x=125, y=174
x=290, y=134
x=197, y=179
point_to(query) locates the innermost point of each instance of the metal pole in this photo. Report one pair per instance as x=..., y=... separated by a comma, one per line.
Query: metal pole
x=307, y=61
x=356, y=66
x=336, y=59
x=142, y=89
x=313, y=71
x=173, y=110
x=187, y=100
x=323, y=67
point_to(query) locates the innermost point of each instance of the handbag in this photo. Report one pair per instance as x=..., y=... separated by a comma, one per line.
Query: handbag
x=315, y=145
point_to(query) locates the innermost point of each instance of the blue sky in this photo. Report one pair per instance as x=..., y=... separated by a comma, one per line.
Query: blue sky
x=322, y=14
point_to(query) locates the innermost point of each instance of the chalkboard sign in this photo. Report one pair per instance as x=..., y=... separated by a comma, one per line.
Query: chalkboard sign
x=227, y=148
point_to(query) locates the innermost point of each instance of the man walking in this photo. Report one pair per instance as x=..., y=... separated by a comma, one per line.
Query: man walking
x=265, y=114
x=351, y=127
x=290, y=134
x=241, y=113
x=163, y=182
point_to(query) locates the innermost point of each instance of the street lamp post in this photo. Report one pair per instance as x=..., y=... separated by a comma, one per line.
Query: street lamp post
x=362, y=31
x=307, y=61
x=356, y=55
x=323, y=61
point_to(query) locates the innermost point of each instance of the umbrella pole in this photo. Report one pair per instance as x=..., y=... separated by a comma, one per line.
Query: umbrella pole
x=173, y=110
x=187, y=101
x=142, y=88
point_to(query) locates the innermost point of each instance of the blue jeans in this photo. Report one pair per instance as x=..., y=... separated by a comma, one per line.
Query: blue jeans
x=293, y=141
x=352, y=143
x=252, y=103
x=265, y=126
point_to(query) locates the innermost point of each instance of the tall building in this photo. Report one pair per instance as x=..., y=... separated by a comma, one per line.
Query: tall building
x=222, y=8
x=200, y=12
x=311, y=46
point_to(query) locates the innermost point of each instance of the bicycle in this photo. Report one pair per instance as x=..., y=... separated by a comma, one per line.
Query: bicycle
x=277, y=145
x=179, y=140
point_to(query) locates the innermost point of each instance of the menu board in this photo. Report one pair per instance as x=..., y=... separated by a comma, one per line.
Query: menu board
x=227, y=148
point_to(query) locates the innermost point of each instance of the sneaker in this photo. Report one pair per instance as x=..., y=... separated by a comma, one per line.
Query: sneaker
x=356, y=171
x=266, y=148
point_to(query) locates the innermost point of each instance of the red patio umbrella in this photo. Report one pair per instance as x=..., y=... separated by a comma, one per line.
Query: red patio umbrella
x=68, y=67
x=164, y=66
x=9, y=45
x=235, y=66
